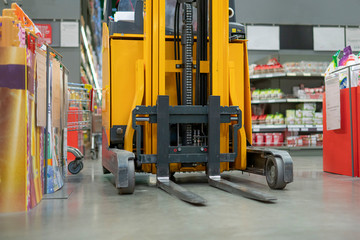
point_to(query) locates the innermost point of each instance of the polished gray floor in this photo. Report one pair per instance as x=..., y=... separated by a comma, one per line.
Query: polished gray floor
x=316, y=206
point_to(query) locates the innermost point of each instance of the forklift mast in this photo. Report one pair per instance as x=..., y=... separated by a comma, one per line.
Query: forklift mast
x=178, y=99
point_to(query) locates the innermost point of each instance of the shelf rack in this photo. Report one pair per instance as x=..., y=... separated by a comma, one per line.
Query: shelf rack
x=285, y=100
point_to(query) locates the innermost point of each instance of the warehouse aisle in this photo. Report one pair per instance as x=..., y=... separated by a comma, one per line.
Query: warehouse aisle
x=316, y=205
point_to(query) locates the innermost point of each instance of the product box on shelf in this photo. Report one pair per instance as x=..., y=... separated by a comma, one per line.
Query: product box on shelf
x=263, y=94
x=305, y=67
x=278, y=119
x=305, y=140
x=308, y=93
x=318, y=118
x=268, y=139
x=262, y=119
x=306, y=106
x=254, y=119
x=272, y=66
x=269, y=119
x=290, y=117
x=278, y=139
x=307, y=114
x=259, y=139
x=304, y=117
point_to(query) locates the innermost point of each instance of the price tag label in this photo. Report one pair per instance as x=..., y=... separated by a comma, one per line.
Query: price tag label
x=291, y=74
x=307, y=74
x=268, y=75
x=304, y=129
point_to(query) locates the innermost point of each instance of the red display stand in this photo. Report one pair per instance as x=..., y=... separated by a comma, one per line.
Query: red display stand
x=337, y=147
x=74, y=137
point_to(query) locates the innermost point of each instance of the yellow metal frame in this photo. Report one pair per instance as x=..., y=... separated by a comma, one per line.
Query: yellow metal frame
x=147, y=69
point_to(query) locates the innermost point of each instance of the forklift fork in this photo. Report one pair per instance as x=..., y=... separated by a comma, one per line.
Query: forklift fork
x=213, y=115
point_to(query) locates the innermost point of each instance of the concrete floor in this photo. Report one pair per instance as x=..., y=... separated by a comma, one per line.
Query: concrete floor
x=316, y=205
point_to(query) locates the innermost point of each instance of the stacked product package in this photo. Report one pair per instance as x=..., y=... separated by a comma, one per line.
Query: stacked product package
x=263, y=94
x=312, y=140
x=268, y=139
x=305, y=114
x=308, y=93
x=303, y=67
x=23, y=117
x=348, y=59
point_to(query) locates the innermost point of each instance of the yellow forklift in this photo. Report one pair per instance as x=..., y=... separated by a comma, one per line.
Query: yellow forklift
x=176, y=98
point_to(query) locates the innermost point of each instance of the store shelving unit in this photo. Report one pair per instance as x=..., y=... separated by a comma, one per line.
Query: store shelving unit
x=284, y=127
x=298, y=148
x=285, y=82
x=285, y=100
x=276, y=75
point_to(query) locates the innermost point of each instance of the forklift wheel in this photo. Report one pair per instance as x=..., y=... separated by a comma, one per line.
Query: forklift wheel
x=275, y=173
x=75, y=167
x=131, y=180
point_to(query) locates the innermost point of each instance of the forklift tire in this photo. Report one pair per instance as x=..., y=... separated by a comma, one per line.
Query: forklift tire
x=105, y=171
x=74, y=167
x=274, y=171
x=131, y=180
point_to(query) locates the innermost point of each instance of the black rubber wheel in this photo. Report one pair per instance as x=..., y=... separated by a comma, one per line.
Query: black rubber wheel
x=105, y=171
x=81, y=165
x=75, y=167
x=93, y=154
x=172, y=176
x=274, y=171
x=131, y=180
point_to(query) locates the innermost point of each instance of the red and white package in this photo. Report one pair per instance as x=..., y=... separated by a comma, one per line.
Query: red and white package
x=268, y=139
x=291, y=141
x=278, y=139
x=259, y=139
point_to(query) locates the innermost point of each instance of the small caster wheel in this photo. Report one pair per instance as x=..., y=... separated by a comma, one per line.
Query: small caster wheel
x=131, y=180
x=93, y=154
x=75, y=167
x=172, y=176
x=274, y=171
x=105, y=171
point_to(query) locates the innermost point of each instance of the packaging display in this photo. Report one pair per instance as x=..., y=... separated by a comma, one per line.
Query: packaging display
x=278, y=119
x=26, y=173
x=347, y=59
x=268, y=139
x=306, y=106
x=268, y=119
x=290, y=117
x=272, y=66
x=305, y=67
x=261, y=94
x=308, y=93
x=314, y=140
x=304, y=115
